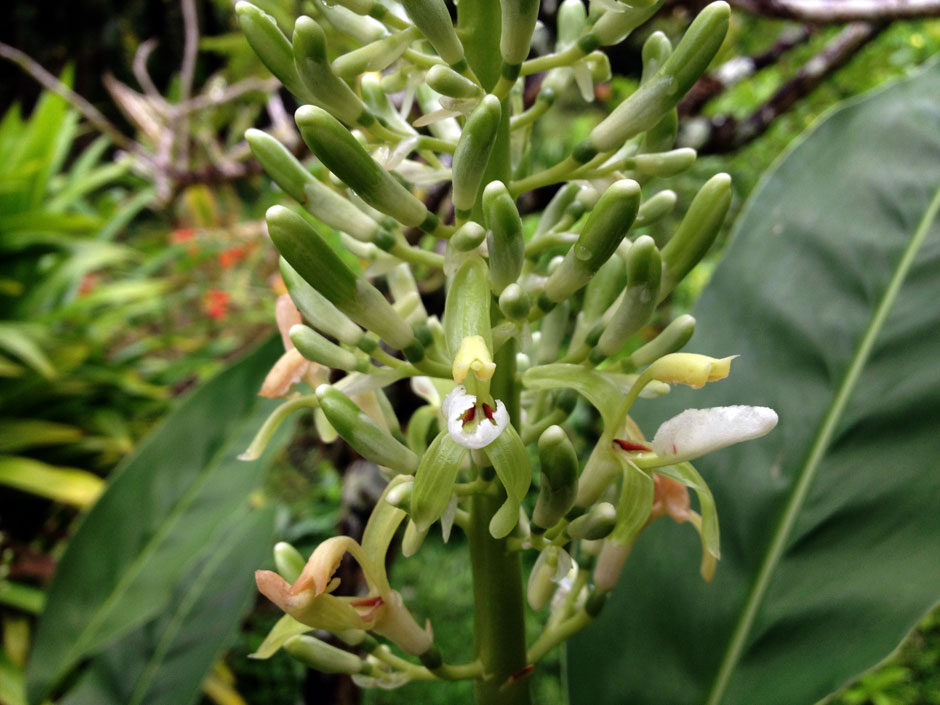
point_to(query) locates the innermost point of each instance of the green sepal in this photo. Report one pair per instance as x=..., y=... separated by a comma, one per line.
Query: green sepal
x=559, y=487
x=313, y=68
x=505, y=239
x=316, y=348
x=518, y=23
x=285, y=629
x=467, y=307
x=508, y=455
x=609, y=221
x=598, y=388
x=634, y=505
x=644, y=272
x=362, y=433
x=272, y=47
x=317, y=309
x=344, y=156
x=708, y=530
x=434, y=480
x=473, y=153
x=433, y=19
x=696, y=232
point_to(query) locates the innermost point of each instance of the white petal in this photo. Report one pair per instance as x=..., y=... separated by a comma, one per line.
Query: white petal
x=584, y=81
x=456, y=404
x=696, y=432
x=424, y=388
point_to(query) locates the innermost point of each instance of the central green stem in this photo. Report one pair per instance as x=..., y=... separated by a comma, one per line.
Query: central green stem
x=499, y=611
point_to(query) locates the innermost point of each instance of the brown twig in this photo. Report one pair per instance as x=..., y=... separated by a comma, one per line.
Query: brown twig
x=837, y=11
x=725, y=133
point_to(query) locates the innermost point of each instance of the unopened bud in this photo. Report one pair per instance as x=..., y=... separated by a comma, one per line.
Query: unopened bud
x=673, y=337
x=375, y=56
x=518, y=23
x=344, y=156
x=596, y=524
x=559, y=463
x=655, y=207
x=448, y=82
x=656, y=51
x=288, y=561
x=514, y=302
x=433, y=19
x=316, y=348
x=604, y=230
x=664, y=163
x=505, y=240
x=468, y=236
x=324, y=657
x=313, y=68
x=697, y=231
x=272, y=47
x=571, y=20
x=315, y=307
x=473, y=154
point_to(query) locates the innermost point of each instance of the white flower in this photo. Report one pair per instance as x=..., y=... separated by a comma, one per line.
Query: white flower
x=480, y=429
x=696, y=432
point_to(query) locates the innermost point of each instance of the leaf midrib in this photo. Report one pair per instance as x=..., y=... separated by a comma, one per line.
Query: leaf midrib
x=817, y=451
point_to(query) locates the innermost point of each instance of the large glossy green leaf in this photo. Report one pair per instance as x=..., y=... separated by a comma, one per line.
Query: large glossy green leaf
x=830, y=526
x=166, y=660
x=167, y=502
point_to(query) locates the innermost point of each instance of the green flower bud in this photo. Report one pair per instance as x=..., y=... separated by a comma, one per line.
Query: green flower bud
x=434, y=480
x=605, y=228
x=644, y=272
x=505, y=240
x=599, y=65
x=316, y=262
x=361, y=28
x=324, y=657
x=279, y=163
x=272, y=47
x=599, y=294
x=559, y=463
x=473, y=154
x=344, y=156
x=596, y=524
x=403, y=287
x=313, y=68
x=316, y=348
x=375, y=56
x=613, y=27
x=542, y=579
x=664, y=163
x=420, y=426
x=571, y=20
x=433, y=19
x=514, y=302
x=656, y=51
x=467, y=307
x=673, y=338
x=288, y=561
x=557, y=207
x=697, y=231
x=365, y=436
x=518, y=23
x=661, y=137
x=655, y=207
x=511, y=463
x=600, y=472
x=468, y=236
x=662, y=92
x=448, y=82
x=315, y=307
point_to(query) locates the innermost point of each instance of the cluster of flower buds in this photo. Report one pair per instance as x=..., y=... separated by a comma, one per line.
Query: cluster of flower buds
x=537, y=313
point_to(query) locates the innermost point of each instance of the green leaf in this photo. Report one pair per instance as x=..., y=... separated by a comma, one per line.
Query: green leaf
x=166, y=660
x=164, y=505
x=830, y=524
x=69, y=485
x=17, y=434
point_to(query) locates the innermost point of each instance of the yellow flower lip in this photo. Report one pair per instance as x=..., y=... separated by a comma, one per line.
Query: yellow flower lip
x=473, y=356
x=690, y=368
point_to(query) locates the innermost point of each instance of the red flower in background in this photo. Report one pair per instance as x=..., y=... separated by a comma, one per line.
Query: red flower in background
x=216, y=303
x=178, y=237
x=232, y=256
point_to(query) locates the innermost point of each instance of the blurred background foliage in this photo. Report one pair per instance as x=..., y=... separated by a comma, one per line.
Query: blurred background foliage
x=125, y=281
